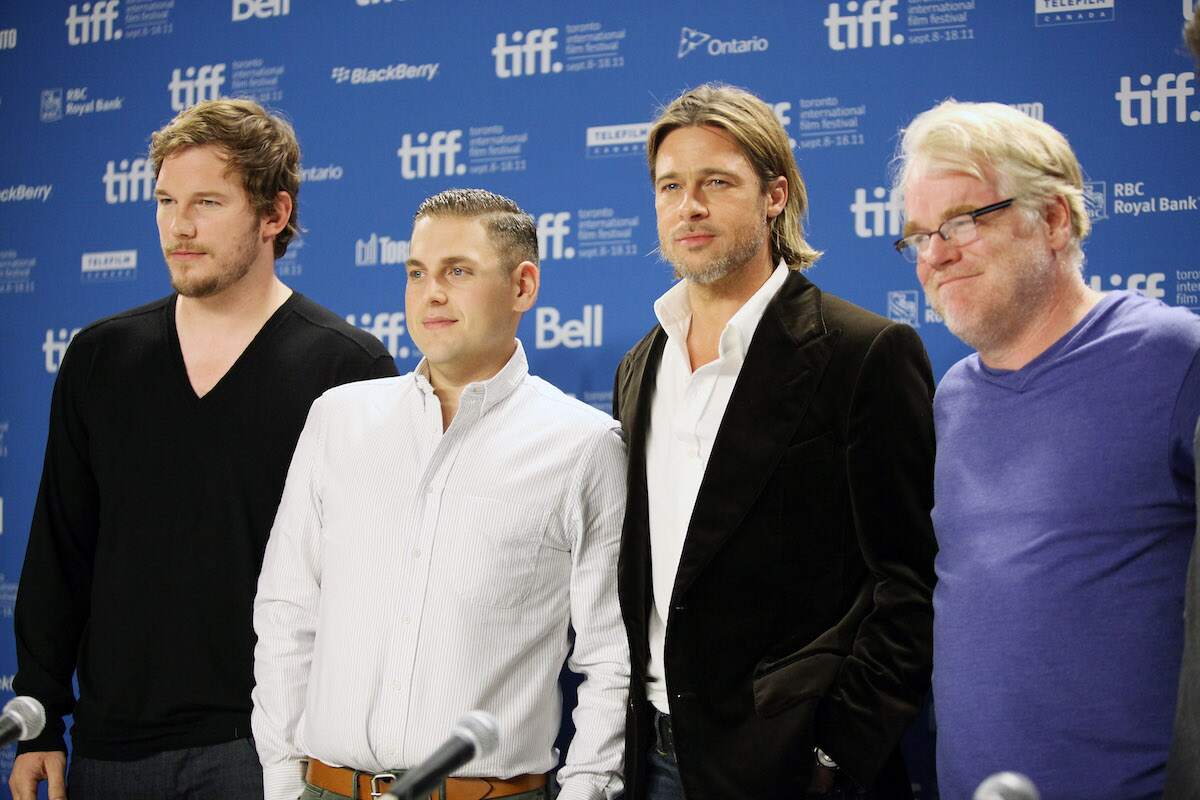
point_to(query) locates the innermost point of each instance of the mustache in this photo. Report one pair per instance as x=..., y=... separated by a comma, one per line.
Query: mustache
x=688, y=230
x=191, y=248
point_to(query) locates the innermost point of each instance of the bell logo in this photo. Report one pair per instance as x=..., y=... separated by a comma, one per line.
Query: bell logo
x=873, y=24
x=529, y=54
x=876, y=217
x=195, y=85
x=552, y=231
x=433, y=154
x=134, y=181
x=93, y=22
x=263, y=9
x=588, y=331
x=1136, y=105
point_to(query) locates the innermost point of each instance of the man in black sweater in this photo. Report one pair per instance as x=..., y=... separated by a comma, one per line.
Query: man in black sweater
x=171, y=429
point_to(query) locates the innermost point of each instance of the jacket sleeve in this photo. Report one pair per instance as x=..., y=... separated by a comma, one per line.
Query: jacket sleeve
x=889, y=463
x=54, y=593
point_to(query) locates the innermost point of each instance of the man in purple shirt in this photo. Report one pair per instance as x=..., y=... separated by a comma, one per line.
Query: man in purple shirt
x=1063, y=491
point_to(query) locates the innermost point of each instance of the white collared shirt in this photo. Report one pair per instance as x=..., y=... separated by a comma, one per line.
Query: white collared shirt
x=414, y=575
x=685, y=415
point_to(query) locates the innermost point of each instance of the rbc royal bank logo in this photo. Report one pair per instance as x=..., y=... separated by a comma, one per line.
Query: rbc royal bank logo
x=551, y=331
x=430, y=154
x=1149, y=106
x=128, y=181
x=904, y=306
x=552, y=231
x=8, y=38
x=376, y=250
x=877, y=217
x=260, y=9
x=93, y=22
x=195, y=84
x=690, y=39
x=862, y=27
x=52, y=105
x=531, y=53
x=1095, y=200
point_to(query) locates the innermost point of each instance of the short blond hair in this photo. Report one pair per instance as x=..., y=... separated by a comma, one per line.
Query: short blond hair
x=511, y=230
x=258, y=146
x=1020, y=156
x=763, y=141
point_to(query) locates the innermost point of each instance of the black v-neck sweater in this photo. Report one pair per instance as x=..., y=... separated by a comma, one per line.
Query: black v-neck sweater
x=151, y=520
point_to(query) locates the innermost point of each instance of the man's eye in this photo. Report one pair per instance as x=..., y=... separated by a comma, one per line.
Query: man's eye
x=415, y=274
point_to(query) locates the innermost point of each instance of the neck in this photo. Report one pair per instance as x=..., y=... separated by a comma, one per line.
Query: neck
x=714, y=304
x=448, y=383
x=1063, y=309
x=249, y=301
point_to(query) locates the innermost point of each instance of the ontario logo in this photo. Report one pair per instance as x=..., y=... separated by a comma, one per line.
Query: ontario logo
x=690, y=39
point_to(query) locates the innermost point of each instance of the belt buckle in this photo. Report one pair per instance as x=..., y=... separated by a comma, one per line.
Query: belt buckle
x=382, y=776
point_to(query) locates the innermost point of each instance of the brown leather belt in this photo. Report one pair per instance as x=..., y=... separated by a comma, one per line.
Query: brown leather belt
x=342, y=780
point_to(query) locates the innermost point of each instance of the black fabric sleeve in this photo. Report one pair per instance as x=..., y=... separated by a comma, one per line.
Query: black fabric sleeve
x=53, y=596
x=889, y=463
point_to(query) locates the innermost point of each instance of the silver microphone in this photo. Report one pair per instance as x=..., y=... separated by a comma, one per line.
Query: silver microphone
x=1007, y=786
x=23, y=718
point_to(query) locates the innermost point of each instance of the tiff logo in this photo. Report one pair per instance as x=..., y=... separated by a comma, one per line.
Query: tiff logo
x=128, y=181
x=552, y=231
x=195, y=84
x=873, y=24
x=379, y=250
x=550, y=332
x=8, y=38
x=263, y=9
x=1136, y=105
x=55, y=347
x=529, y=54
x=1145, y=284
x=94, y=22
x=434, y=154
x=876, y=217
x=387, y=327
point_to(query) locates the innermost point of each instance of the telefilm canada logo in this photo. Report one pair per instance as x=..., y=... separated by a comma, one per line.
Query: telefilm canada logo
x=1073, y=12
x=108, y=266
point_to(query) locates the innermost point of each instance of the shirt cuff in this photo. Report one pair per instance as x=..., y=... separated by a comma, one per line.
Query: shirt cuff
x=579, y=789
x=283, y=781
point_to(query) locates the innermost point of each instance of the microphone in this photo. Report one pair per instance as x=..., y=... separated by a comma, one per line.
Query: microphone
x=1007, y=786
x=473, y=736
x=23, y=718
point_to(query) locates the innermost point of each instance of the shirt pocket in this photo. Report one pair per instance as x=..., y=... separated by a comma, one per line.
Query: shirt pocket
x=492, y=549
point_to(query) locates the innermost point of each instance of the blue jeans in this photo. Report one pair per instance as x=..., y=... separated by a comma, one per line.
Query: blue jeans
x=663, y=779
x=227, y=771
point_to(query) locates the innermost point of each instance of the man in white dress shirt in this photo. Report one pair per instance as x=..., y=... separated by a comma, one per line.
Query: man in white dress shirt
x=439, y=536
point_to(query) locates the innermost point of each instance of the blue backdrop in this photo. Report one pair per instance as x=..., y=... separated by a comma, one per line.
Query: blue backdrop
x=549, y=103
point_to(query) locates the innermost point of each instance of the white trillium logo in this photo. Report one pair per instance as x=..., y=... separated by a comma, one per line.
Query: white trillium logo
x=690, y=39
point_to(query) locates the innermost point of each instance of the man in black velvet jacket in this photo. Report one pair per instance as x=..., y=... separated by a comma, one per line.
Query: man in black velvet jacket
x=777, y=561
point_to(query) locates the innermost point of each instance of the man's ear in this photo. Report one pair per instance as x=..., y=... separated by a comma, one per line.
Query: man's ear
x=1057, y=216
x=527, y=279
x=777, y=196
x=275, y=220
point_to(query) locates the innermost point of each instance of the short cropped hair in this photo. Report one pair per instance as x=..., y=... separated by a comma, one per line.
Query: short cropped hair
x=1019, y=156
x=258, y=146
x=764, y=142
x=511, y=230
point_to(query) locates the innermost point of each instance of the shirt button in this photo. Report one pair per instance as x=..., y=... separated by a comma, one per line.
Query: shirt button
x=416, y=552
x=407, y=620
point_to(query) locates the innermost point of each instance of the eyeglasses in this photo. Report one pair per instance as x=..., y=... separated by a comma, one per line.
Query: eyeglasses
x=958, y=231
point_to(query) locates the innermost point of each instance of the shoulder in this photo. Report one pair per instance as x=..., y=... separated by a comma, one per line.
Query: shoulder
x=556, y=408
x=125, y=333
x=864, y=333
x=1150, y=321
x=331, y=331
x=371, y=393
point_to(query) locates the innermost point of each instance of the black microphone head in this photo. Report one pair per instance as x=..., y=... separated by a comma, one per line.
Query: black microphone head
x=1007, y=786
x=28, y=713
x=480, y=729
